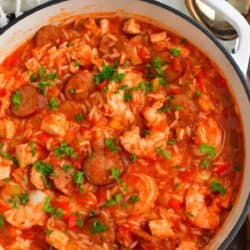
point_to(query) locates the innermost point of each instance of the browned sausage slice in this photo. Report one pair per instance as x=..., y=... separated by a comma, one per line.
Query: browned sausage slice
x=79, y=86
x=100, y=229
x=175, y=69
x=30, y=101
x=188, y=109
x=98, y=167
x=48, y=34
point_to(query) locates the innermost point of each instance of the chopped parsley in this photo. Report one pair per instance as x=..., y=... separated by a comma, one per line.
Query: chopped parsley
x=13, y=201
x=205, y=163
x=207, y=149
x=106, y=74
x=33, y=148
x=134, y=199
x=16, y=99
x=115, y=200
x=124, y=205
x=216, y=187
x=190, y=214
x=127, y=96
x=163, y=153
x=171, y=142
x=92, y=214
x=47, y=207
x=72, y=91
x=147, y=132
x=2, y=224
x=133, y=157
x=197, y=93
x=58, y=213
x=79, y=117
x=164, y=109
x=115, y=172
x=42, y=86
x=237, y=168
x=79, y=221
x=110, y=143
x=78, y=177
x=175, y=51
x=98, y=227
x=157, y=66
x=76, y=64
x=45, y=169
x=53, y=103
x=145, y=86
x=65, y=150
x=33, y=78
x=66, y=167
x=178, y=107
x=48, y=232
x=23, y=198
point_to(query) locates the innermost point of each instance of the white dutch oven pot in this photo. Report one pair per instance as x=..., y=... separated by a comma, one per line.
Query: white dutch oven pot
x=234, y=67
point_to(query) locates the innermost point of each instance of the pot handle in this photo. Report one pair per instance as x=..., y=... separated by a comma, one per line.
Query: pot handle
x=242, y=53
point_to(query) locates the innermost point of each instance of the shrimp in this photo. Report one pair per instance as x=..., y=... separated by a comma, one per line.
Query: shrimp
x=146, y=189
x=146, y=147
x=209, y=132
x=201, y=215
x=25, y=217
x=117, y=107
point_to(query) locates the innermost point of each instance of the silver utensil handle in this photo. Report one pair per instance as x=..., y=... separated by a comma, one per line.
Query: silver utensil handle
x=242, y=52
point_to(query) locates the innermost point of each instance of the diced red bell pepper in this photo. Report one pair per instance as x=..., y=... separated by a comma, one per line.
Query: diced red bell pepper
x=12, y=61
x=124, y=235
x=101, y=195
x=187, y=175
x=173, y=91
x=2, y=92
x=143, y=54
x=222, y=168
x=176, y=64
x=72, y=221
x=3, y=207
x=175, y=204
x=43, y=137
x=103, y=84
x=200, y=81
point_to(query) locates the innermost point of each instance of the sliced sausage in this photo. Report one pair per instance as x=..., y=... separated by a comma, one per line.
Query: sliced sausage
x=188, y=109
x=48, y=34
x=98, y=167
x=30, y=101
x=100, y=229
x=79, y=86
x=63, y=180
x=176, y=68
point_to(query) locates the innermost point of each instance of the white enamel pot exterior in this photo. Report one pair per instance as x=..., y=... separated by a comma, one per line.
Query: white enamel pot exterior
x=25, y=26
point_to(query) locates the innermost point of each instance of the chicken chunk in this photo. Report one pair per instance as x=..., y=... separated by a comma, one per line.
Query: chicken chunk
x=25, y=154
x=131, y=27
x=55, y=124
x=5, y=166
x=7, y=128
x=35, y=179
x=158, y=37
x=57, y=239
x=161, y=228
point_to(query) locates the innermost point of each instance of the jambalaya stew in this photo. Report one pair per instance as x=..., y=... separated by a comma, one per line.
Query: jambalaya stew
x=115, y=134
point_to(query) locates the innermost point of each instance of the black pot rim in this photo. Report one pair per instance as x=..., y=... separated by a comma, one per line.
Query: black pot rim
x=246, y=209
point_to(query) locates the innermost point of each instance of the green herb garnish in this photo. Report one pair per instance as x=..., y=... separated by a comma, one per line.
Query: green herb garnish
x=163, y=153
x=110, y=143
